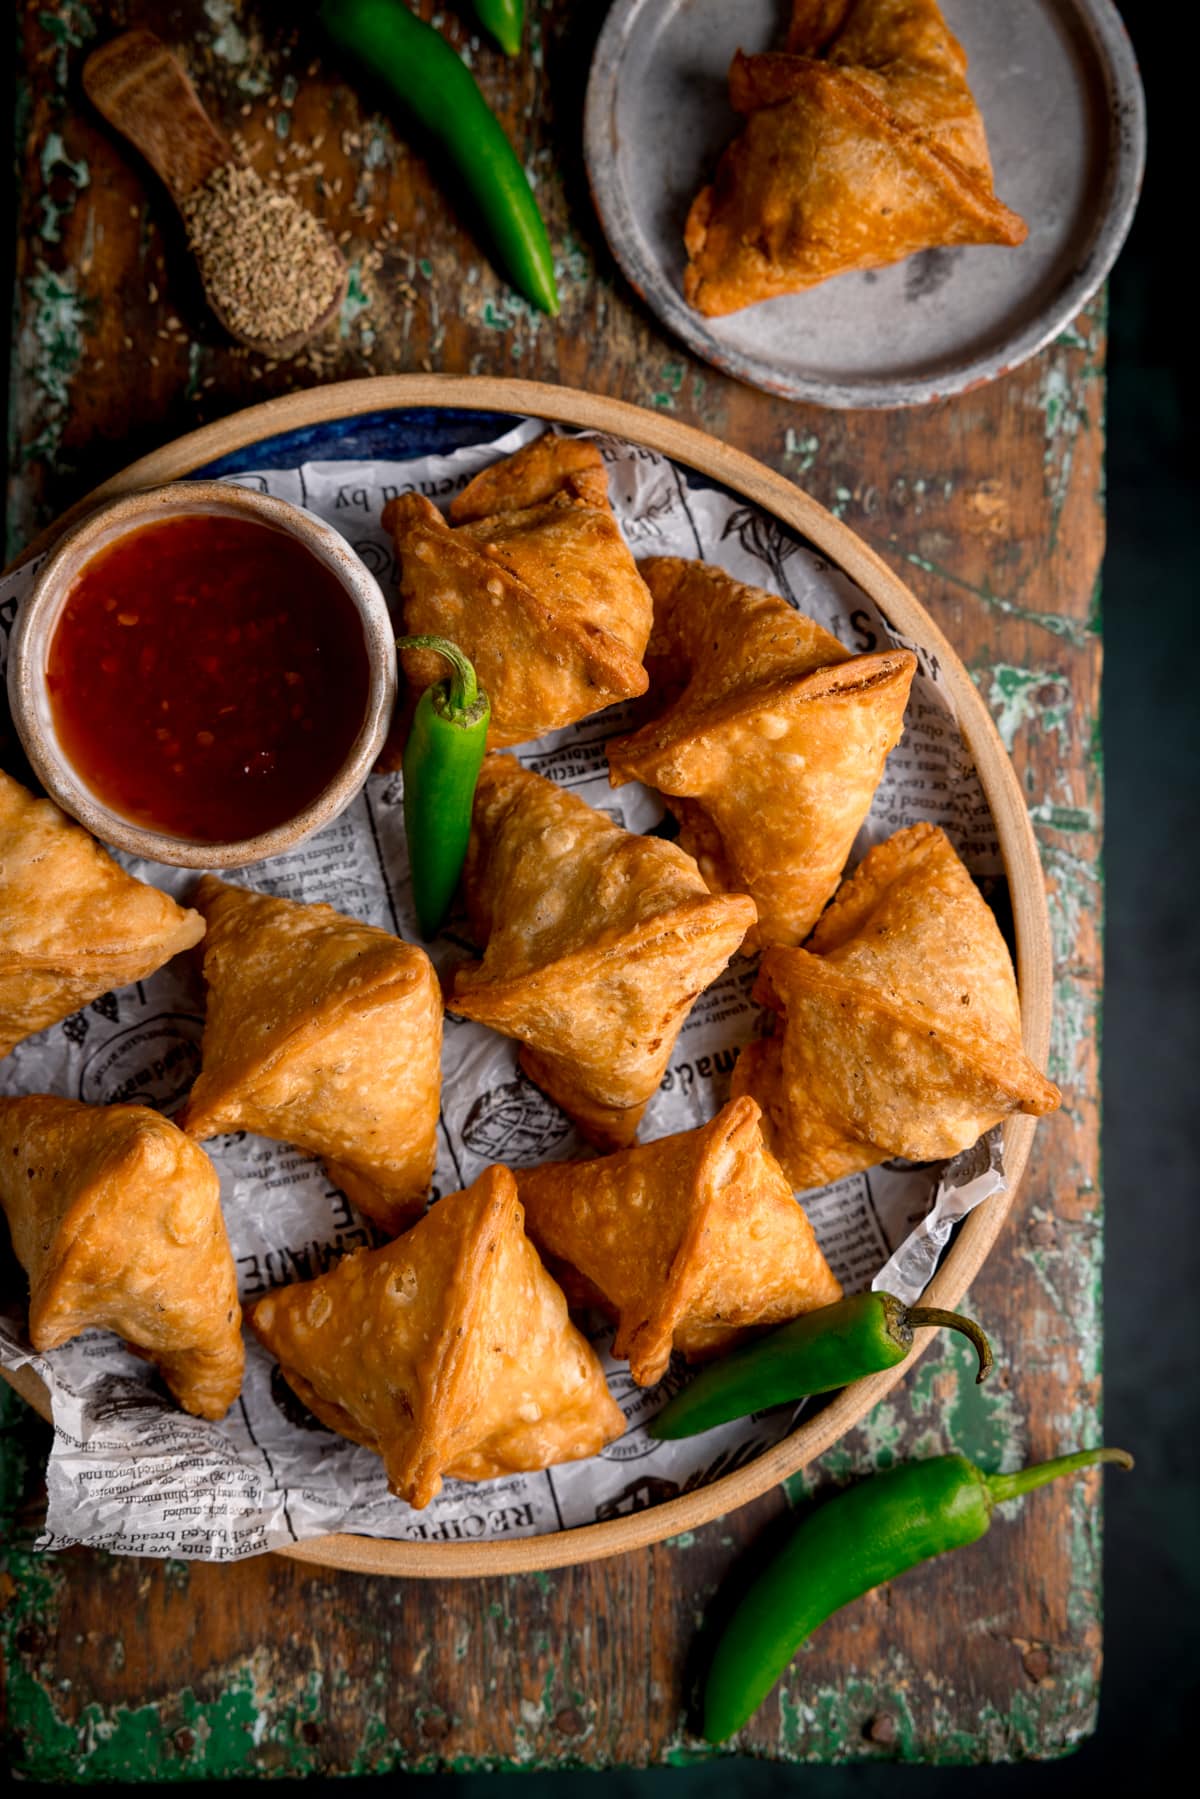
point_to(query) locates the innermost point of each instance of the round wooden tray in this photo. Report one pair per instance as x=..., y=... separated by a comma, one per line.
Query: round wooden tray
x=694, y=449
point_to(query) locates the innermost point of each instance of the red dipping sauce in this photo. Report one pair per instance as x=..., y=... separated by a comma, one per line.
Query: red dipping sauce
x=207, y=677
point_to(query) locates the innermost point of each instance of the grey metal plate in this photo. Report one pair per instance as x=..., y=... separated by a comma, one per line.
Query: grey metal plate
x=1058, y=87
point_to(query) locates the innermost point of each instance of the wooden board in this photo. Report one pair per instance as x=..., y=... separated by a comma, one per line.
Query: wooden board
x=990, y=508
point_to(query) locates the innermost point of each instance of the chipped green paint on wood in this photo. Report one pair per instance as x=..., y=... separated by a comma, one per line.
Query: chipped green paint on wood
x=69, y=26
x=1061, y=396
x=1059, y=624
x=1019, y=697
x=800, y=449
x=672, y=374
x=184, y=1738
x=55, y=165
x=228, y=43
x=356, y=302
x=1064, y=818
x=52, y=351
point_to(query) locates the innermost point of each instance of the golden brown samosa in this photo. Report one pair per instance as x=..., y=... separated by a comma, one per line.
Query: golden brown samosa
x=772, y=742
x=689, y=1243
x=862, y=145
x=596, y=944
x=448, y=1351
x=900, y=1026
x=115, y=1216
x=72, y=923
x=543, y=470
x=326, y=1033
x=534, y=582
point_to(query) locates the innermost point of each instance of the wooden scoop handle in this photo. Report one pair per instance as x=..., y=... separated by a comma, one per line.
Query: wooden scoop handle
x=144, y=91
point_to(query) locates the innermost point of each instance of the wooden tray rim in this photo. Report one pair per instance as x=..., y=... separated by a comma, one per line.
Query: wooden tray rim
x=777, y=495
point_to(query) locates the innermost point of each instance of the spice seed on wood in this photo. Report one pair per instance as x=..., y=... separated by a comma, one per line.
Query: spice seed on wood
x=268, y=265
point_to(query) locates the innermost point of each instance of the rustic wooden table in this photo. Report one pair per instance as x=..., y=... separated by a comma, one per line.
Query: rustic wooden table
x=991, y=506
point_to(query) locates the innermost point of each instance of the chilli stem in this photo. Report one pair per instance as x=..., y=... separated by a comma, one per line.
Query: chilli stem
x=1011, y=1486
x=462, y=687
x=918, y=1315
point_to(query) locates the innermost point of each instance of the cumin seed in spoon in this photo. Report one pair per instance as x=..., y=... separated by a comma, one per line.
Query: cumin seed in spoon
x=271, y=273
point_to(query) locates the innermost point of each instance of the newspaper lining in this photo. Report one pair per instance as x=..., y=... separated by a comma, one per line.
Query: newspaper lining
x=127, y=1471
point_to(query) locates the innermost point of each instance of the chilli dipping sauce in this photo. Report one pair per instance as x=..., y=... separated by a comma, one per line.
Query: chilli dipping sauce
x=207, y=677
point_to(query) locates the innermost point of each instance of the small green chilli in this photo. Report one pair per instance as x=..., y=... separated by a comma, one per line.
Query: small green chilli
x=505, y=19
x=852, y=1543
x=434, y=84
x=442, y=759
x=822, y=1350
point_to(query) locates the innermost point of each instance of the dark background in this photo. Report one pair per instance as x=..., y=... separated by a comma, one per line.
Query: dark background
x=1151, y=1062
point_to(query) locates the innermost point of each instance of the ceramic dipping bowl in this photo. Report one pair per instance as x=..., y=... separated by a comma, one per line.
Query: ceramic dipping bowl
x=38, y=617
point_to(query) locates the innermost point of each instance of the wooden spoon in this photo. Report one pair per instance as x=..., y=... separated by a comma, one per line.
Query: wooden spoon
x=145, y=93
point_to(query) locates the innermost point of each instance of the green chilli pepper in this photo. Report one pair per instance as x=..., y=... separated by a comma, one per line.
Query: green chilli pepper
x=436, y=86
x=824, y=1349
x=505, y=19
x=441, y=766
x=840, y=1550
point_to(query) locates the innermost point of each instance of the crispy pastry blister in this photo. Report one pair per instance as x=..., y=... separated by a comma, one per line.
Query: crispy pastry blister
x=900, y=1026
x=326, y=1033
x=596, y=943
x=862, y=145
x=115, y=1216
x=447, y=1352
x=772, y=742
x=73, y=924
x=690, y=1242
x=534, y=582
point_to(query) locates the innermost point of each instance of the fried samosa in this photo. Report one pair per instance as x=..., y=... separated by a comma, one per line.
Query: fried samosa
x=862, y=145
x=534, y=582
x=596, y=943
x=771, y=746
x=73, y=924
x=115, y=1216
x=689, y=1243
x=900, y=1030
x=325, y=1033
x=448, y=1351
